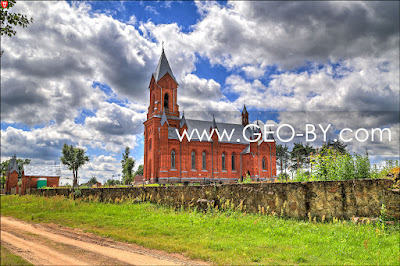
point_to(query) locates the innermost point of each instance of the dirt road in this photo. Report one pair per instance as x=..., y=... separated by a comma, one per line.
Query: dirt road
x=47, y=244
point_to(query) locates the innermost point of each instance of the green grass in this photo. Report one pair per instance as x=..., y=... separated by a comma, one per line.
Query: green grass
x=8, y=258
x=219, y=237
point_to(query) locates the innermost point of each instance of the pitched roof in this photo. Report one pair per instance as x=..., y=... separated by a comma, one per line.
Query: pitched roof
x=164, y=119
x=163, y=68
x=13, y=165
x=183, y=121
x=42, y=170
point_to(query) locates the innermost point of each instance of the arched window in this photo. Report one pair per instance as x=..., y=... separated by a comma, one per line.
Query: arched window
x=150, y=145
x=233, y=162
x=263, y=164
x=223, y=161
x=193, y=160
x=152, y=100
x=204, y=162
x=166, y=101
x=173, y=159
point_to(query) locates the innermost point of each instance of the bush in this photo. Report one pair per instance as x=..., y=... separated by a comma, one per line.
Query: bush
x=333, y=165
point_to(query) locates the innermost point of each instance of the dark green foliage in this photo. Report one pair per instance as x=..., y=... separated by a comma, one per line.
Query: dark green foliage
x=73, y=158
x=112, y=182
x=127, y=166
x=300, y=155
x=282, y=158
x=139, y=171
x=335, y=145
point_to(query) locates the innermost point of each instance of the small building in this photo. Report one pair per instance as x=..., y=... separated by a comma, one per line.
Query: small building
x=32, y=173
x=137, y=179
x=12, y=176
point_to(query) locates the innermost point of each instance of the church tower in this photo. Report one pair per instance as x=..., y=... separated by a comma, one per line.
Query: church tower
x=163, y=112
x=163, y=90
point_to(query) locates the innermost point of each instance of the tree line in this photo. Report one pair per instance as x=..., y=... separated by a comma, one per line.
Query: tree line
x=301, y=156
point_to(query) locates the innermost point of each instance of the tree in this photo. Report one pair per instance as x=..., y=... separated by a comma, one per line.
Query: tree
x=73, y=158
x=335, y=145
x=139, y=171
x=127, y=166
x=300, y=155
x=282, y=155
x=92, y=181
x=10, y=20
x=112, y=182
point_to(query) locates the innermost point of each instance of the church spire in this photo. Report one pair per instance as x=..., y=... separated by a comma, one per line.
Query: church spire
x=183, y=121
x=214, y=124
x=164, y=119
x=163, y=67
x=245, y=116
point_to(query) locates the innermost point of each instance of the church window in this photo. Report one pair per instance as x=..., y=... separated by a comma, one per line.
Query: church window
x=223, y=161
x=233, y=162
x=204, y=160
x=193, y=160
x=173, y=159
x=166, y=101
x=263, y=164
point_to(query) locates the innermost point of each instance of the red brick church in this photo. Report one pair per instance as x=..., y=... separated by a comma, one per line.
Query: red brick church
x=168, y=160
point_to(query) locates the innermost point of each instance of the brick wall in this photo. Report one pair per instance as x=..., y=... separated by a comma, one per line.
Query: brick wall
x=340, y=199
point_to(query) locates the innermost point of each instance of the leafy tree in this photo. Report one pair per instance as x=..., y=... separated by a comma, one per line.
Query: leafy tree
x=2, y=181
x=127, y=166
x=282, y=155
x=92, y=181
x=112, y=182
x=73, y=158
x=300, y=155
x=139, y=171
x=10, y=20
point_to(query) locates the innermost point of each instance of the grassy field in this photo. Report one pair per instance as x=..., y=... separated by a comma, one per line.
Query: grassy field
x=8, y=258
x=219, y=237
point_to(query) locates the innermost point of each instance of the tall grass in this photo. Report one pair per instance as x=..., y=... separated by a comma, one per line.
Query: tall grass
x=332, y=165
x=221, y=237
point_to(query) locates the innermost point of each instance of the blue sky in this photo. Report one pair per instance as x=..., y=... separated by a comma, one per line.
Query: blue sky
x=79, y=74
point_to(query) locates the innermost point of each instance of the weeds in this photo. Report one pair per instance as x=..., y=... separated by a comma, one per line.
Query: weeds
x=220, y=236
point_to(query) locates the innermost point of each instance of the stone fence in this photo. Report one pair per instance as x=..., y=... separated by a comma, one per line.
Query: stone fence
x=340, y=199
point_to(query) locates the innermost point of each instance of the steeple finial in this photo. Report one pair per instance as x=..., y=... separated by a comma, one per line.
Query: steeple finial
x=163, y=67
x=162, y=44
x=183, y=120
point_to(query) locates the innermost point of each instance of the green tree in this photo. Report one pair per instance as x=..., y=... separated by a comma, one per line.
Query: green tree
x=92, y=181
x=127, y=166
x=139, y=171
x=73, y=158
x=112, y=182
x=335, y=145
x=9, y=20
x=282, y=156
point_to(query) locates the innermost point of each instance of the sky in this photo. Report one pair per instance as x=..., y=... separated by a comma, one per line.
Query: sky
x=79, y=74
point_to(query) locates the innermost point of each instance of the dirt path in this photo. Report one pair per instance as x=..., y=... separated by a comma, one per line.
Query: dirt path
x=46, y=244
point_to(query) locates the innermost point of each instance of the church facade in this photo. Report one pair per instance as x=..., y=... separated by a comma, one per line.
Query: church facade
x=169, y=158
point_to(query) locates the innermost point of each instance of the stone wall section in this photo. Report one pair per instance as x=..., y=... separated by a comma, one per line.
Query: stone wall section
x=329, y=199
